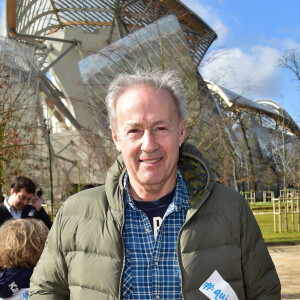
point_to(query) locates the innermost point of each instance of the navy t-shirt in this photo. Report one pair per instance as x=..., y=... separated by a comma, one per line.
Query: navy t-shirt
x=155, y=209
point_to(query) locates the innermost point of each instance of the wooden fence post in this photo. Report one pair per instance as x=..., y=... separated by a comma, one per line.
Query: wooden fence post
x=292, y=208
x=274, y=214
x=279, y=212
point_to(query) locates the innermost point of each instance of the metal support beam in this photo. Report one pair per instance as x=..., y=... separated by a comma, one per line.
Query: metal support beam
x=44, y=71
x=11, y=17
x=54, y=95
x=21, y=35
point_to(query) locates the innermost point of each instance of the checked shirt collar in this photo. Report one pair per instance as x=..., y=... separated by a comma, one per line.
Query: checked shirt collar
x=180, y=201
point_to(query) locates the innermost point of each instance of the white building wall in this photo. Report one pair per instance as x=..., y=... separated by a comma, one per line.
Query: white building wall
x=66, y=72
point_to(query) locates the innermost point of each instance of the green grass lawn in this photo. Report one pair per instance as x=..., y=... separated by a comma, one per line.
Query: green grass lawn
x=266, y=224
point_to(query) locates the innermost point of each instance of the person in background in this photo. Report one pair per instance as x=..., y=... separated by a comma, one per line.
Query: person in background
x=17, y=205
x=21, y=244
x=160, y=227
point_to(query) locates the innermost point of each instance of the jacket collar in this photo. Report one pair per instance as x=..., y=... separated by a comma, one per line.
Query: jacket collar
x=196, y=173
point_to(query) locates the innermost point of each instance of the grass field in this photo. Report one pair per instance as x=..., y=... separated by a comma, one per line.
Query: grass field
x=266, y=224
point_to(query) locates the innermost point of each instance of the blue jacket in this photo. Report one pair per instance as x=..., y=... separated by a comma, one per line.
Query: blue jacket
x=13, y=280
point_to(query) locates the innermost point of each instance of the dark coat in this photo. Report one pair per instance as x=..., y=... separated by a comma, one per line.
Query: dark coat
x=13, y=280
x=28, y=212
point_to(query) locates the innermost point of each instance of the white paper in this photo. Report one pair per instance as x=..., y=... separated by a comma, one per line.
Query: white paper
x=22, y=294
x=215, y=287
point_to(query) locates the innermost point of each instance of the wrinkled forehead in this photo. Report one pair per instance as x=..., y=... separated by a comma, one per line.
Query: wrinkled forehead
x=143, y=87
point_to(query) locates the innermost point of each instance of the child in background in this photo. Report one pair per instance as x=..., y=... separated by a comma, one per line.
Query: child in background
x=21, y=244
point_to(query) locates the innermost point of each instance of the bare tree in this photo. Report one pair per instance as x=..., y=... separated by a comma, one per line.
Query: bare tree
x=17, y=128
x=290, y=60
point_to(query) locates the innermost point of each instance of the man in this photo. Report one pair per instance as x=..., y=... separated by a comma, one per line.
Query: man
x=17, y=205
x=160, y=228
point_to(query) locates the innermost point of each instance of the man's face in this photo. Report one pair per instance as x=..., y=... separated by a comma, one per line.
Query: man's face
x=149, y=135
x=20, y=199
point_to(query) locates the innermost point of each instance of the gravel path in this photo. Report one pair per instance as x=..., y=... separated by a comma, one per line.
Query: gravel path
x=287, y=261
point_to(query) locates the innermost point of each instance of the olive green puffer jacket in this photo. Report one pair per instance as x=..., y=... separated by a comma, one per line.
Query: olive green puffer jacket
x=84, y=253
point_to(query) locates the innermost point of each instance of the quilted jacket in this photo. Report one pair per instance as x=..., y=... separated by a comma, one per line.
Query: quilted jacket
x=84, y=253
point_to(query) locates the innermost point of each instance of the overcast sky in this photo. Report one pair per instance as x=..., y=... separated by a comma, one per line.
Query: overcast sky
x=251, y=37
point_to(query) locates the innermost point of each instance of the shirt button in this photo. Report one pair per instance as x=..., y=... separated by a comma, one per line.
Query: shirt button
x=157, y=296
x=156, y=264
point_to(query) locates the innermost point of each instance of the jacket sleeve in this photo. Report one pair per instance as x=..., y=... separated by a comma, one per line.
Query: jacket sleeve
x=261, y=279
x=49, y=279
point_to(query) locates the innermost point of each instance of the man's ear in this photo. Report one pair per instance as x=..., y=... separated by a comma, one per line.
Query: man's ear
x=12, y=191
x=182, y=132
x=115, y=137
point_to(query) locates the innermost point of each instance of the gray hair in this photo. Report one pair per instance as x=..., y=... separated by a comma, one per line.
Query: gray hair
x=157, y=79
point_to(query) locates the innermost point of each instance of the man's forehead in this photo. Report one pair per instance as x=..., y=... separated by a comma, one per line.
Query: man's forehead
x=23, y=192
x=126, y=103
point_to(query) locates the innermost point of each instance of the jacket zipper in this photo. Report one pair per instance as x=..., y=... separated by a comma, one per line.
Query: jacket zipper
x=124, y=258
x=204, y=197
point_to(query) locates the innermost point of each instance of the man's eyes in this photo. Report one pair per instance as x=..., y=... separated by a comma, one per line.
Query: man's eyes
x=140, y=132
x=133, y=131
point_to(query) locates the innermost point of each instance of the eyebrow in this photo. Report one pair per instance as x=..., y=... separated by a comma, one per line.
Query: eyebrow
x=25, y=197
x=134, y=124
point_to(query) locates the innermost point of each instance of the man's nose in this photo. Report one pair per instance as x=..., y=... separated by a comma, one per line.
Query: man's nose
x=149, y=143
x=26, y=201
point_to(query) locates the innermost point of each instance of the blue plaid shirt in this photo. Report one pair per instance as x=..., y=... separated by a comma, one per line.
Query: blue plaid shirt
x=151, y=266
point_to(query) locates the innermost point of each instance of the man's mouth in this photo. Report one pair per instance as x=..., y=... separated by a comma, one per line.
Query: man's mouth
x=150, y=161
